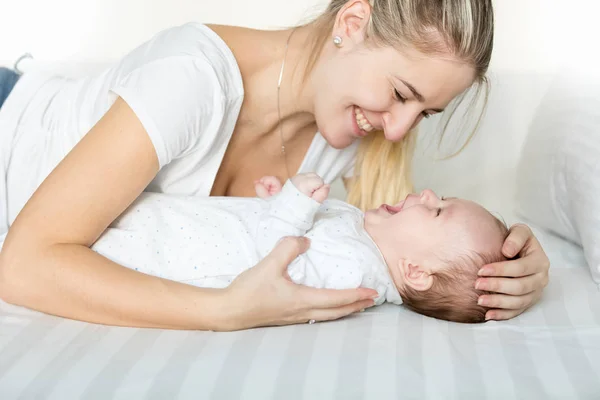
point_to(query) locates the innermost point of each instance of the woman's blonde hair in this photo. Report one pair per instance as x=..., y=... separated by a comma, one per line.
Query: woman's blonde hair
x=461, y=28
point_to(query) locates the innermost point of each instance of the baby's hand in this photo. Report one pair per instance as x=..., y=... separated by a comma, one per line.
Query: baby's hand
x=267, y=186
x=311, y=185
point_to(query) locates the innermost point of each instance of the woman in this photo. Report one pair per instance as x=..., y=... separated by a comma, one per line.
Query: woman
x=202, y=110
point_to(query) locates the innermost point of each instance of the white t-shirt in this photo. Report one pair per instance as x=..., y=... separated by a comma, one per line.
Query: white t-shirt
x=184, y=85
x=208, y=242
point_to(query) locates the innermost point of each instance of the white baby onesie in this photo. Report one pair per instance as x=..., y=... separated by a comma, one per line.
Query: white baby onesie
x=208, y=241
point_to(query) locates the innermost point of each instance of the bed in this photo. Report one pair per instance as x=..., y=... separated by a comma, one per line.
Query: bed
x=550, y=352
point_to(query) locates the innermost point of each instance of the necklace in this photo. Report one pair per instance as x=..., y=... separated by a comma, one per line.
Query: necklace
x=279, y=106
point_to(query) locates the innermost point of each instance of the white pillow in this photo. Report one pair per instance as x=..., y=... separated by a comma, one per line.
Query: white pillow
x=558, y=184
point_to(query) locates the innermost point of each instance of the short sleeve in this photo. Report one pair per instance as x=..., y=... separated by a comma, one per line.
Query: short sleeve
x=175, y=98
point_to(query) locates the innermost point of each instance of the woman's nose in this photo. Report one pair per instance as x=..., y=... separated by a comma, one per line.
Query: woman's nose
x=396, y=126
x=398, y=122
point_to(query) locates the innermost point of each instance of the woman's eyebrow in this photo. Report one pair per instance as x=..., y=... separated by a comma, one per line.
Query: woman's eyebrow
x=414, y=91
x=418, y=95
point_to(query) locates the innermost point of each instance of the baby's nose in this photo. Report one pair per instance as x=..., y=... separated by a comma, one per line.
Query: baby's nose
x=428, y=196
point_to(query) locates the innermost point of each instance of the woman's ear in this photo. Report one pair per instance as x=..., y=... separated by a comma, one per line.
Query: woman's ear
x=352, y=20
x=414, y=276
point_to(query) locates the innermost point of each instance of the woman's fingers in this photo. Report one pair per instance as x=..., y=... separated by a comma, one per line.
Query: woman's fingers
x=332, y=298
x=521, y=241
x=517, y=239
x=501, y=315
x=285, y=252
x=506, y=307
x=264, y=297
x=507, y=302
x=330, y=314
x=513, y=268
x=519, y=283
x=514, y=286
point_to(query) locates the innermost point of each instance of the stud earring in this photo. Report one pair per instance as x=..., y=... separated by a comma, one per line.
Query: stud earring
x=337, y=40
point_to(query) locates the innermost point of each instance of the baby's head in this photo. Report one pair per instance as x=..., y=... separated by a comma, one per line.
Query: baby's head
x=434, y=248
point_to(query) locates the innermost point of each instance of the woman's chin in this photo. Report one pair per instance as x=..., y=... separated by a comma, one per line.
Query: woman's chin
x=338, y=140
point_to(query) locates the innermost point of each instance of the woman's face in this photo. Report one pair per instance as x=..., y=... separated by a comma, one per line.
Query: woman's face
x=359, y=90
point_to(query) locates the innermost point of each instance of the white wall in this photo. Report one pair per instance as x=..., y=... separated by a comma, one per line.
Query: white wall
x=97, y=30
x=533, y=38
x=93, y=30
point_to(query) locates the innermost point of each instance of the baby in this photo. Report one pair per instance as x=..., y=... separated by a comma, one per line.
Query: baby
x=423, y=252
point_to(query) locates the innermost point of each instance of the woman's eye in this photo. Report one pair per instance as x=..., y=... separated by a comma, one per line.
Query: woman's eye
x=398, y=96
x=403, y=99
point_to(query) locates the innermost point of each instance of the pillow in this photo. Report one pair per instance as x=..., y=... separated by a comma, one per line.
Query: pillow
x=558, y=183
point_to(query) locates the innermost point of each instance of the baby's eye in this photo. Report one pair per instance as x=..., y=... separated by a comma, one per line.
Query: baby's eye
x=439, y=211
x=442, y=198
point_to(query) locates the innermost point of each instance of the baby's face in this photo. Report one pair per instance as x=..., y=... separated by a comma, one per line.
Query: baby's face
x=423, y=228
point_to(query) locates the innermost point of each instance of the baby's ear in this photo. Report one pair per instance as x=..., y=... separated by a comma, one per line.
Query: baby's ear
x=414, y=276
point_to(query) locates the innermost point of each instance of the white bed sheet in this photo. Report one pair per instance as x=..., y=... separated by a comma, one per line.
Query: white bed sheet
x=550, y=352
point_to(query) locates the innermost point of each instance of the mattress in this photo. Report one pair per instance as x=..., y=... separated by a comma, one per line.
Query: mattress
x=550, y=352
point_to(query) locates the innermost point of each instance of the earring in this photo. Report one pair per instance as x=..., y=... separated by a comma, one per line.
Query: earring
x=337, y=40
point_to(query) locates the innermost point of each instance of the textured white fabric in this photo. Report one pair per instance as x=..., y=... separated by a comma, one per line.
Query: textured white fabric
x=559, y=172
x=207, y=242
x=387, y=352
x=185, y=87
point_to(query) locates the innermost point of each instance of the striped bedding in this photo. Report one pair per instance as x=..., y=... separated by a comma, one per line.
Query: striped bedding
x=551, y=352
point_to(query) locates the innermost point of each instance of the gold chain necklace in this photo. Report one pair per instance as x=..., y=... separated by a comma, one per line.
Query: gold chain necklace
x=279, y=105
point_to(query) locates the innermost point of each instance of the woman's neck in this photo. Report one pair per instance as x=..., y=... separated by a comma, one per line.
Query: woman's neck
x=260, y=54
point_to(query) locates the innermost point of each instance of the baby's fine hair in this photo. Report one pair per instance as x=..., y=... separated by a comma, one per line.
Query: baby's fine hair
x=453, y=296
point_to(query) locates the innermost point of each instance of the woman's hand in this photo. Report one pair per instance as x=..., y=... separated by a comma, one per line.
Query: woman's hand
x=520, y=282
x=265, y=296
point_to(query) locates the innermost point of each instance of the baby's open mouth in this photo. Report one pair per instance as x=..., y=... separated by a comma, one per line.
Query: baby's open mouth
x=393, y=209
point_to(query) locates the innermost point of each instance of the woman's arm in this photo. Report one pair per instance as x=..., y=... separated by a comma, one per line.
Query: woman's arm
x=519, y=283
x=46, y=263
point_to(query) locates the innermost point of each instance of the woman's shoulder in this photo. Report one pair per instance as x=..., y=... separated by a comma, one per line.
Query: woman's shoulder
x=192, y=39
x=192, y=42
x=185, y=87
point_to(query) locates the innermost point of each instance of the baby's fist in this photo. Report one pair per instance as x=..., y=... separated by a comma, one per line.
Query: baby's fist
x=312, y=185
x=267, y=186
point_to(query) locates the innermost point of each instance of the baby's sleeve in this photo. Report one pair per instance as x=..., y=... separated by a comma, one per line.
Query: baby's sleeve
x=288, y=213
x=176, y=98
